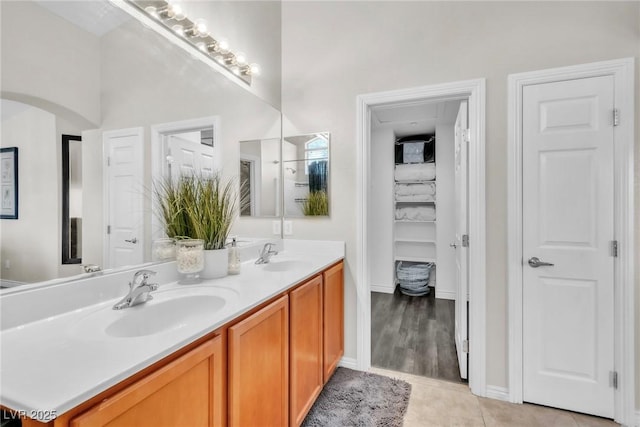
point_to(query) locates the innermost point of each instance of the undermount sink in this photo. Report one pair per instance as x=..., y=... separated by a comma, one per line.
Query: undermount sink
x=169, y=310
x=286, y=264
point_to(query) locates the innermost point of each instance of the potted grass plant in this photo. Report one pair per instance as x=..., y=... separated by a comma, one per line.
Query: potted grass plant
x=316, y=204
x=199, y=207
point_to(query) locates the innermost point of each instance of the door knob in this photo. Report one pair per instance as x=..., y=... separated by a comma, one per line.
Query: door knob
x=453, y=245
x=535, y=262
x=134, y=240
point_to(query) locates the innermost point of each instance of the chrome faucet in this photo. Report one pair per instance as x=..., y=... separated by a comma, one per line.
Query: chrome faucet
x=139, y=290
x=266, y=253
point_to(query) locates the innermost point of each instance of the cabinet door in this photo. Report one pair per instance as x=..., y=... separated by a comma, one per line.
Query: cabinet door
x=306, y=347
x=333, y=318
x=188, y=391
x=259, y=368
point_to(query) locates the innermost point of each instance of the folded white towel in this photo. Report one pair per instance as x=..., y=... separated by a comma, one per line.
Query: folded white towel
x=415, y=198
x=416, y=213
x=418, y=171
x=427, y=188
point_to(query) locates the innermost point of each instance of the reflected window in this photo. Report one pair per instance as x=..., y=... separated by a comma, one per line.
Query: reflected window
x=314, y=150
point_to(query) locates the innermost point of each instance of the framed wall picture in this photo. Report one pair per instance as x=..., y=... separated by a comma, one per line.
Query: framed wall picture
x=9, y=183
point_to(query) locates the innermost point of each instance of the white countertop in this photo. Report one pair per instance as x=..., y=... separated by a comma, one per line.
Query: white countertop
x=55, y=363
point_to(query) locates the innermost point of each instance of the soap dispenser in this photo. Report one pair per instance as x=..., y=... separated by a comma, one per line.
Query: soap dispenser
x=234, y=258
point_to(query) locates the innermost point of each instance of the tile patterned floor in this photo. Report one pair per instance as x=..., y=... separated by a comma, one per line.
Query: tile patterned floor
x=442, y=403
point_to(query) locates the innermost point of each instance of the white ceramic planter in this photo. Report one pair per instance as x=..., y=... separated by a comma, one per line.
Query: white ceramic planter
x=216, y=263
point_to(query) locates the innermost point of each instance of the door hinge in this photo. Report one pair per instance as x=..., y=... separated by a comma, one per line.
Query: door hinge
x=616, y=117
x=613, y=379
x=467, y=135
x=465, y=240
x=465, y=346
x=108, y=229
x=108, y=160
x=614, y=248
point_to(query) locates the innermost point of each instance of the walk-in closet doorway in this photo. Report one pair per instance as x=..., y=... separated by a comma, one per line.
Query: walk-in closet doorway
x=421, y=220
x=419, y=214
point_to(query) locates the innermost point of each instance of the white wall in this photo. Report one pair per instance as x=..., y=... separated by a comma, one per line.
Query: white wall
x=363, y=47
x=30, y=244
x=251, y=27
x=49, y=63
x=381, y=210
x=445, y=213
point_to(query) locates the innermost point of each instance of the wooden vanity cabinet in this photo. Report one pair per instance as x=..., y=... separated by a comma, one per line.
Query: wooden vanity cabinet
x=189, y=391
x=259, y=368
x=333, y=315
x=306, y=353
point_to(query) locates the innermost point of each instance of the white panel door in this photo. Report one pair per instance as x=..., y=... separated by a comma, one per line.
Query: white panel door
x=124, y=198
x=462, y=252
x=189, y=155
x=568, y=222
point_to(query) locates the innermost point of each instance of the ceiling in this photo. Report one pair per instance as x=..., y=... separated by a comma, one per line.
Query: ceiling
x=414, y=118
x=97, y=17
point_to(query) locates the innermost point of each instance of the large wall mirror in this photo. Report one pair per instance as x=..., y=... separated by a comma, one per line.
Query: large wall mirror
x=289, y=175
x=115, y=84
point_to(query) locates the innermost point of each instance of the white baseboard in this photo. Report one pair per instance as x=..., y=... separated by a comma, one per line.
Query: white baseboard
x=385, y=289
x=348, y=362
x=445, y=294
x=498, y=393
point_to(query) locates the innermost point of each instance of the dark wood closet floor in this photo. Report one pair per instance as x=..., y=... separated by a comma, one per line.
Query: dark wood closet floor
x=414, y=335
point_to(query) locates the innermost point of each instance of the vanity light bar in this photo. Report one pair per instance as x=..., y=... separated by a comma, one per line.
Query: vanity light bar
x=196, y=33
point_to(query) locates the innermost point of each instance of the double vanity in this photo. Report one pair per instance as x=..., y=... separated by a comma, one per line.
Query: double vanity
x=246, y=350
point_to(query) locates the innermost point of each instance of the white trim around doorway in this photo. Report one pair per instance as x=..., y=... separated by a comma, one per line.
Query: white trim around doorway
x=623, y=72
x=474, y=91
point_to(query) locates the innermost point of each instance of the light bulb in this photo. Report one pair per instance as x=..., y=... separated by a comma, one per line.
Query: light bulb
x=255, y=69
x=178, y=29
x=202, y=46
x=151, y=10
x=223, y=45
x=235, y=70
x=176, y=9
x=201, y=27
x=241, y=58
x=220, y=59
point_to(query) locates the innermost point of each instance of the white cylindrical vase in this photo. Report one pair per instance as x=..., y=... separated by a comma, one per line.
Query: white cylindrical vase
x=216, y=263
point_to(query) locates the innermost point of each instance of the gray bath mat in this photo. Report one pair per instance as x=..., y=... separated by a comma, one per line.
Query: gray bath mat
x=360, y=399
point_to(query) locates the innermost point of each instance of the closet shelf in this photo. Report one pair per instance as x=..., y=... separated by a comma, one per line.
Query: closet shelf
x=422, y=202
x=414, y=259
x=413, y=240
x=415, y=181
